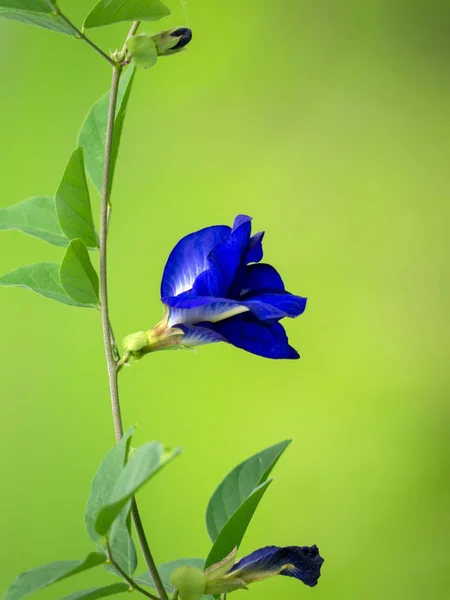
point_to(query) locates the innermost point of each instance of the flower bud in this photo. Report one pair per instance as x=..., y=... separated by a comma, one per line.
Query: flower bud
x=190, y=582
x=172, y=40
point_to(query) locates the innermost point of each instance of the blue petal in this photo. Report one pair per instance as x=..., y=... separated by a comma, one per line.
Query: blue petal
x=195, y=335
x=196, y=309
x=263, y=339
x=224, y=260
x=254, y=248
x=301, y=562
x=189, y=258
x=257, y=278
x=276, y=306
x=241, y=220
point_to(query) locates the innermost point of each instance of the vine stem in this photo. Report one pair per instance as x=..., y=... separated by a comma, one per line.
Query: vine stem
x=80, y=35
x=127, y=578
x=106, y=326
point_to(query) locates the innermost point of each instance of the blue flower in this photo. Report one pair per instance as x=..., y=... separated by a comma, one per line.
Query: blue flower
x=301, y=562
x=216, y=289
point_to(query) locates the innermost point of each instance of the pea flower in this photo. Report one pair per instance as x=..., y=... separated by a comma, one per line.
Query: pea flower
x=301, y=562
x=216, y=289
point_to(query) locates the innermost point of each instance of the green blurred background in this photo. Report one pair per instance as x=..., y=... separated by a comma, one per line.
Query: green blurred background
x=328, y=122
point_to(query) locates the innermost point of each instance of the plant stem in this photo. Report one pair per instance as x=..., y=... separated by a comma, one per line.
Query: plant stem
x=127, y=578
x=80, y=35
x=106, y=326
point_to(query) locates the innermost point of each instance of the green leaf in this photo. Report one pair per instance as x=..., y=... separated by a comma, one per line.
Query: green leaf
x=234, y=529
x=105, y=480
x=42, y=278
x=147, y=461
x=41, y=577
x=78, y=276
x=36, y=217
x=92, y=136
x=44, y=20
x=238, y=485
x=165, y=571
x=73, y=205
x=102, y=592
x=106, y=12
x=143, y=50
x=39, y=6
x=121, y=543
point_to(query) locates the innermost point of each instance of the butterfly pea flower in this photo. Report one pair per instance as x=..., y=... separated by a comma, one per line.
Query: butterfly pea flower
x=300, y=562
x=172, y=40
x=216, y=289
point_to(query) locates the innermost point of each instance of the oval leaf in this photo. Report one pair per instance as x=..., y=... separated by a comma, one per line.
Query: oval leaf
x=234, y=529
x=41, y=577
x=73, y=205
x=105, y=480
x=121, y=543
x=92, y=136
x=78, y=276
x=36, y=217
x=42, y=278
x=106, y=12
x=147, y=461
x=39, y=6
x=46, y=21
x=143, y=50
x=238, y=485
x=102, y=592
x=165, y=571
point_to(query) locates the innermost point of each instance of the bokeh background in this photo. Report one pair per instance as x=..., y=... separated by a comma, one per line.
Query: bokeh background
x=328, y=122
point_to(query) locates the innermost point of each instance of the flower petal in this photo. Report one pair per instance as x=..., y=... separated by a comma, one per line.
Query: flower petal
x=254, y=248
x=195, y=335
x=189, y=258
x=224, y=260
x=276, y=306
x=301, y=562
x=197, y=309
x=263, y=339
x=258, y=278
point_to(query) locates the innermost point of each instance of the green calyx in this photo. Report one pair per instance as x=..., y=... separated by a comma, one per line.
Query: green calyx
x=190, y=582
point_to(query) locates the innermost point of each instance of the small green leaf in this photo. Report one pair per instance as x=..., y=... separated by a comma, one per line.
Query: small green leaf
x=102, y=592
x=165, y=571
x=92, y=136
x=36, y=217
x=78, y=276
x=42, y=278
x=143, y=50
x=39, y=6
x=41, y=577
x=106, y=12
x=121, y=543
x=238, y=485
x=73, y=205
x=147, y=461
x=234, y=529
x=52, y=22
x=105, y=480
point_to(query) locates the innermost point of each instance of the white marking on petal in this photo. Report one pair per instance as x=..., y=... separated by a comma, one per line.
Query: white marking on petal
x=212, y=313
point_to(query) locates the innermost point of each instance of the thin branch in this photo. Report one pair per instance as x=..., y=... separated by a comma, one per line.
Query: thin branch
x=127, y=578
x=80, y=35
x=106, y=326
x=175, y=595
x=132, y=32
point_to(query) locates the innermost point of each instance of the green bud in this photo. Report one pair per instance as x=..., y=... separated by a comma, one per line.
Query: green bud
x=190, y=582
x=143, y=50
x=135, y=342
x=172, y=40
